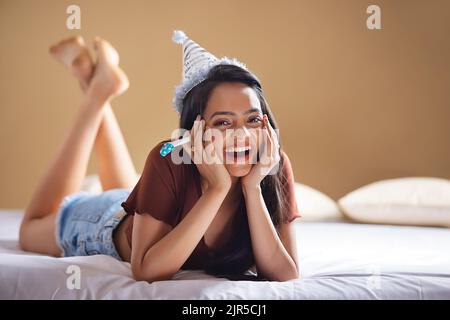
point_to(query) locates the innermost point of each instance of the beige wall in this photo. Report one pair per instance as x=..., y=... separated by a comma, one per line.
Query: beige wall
x=353, y=105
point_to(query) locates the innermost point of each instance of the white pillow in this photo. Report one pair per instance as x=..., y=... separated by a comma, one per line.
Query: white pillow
x=409, y=201
x=315, y=205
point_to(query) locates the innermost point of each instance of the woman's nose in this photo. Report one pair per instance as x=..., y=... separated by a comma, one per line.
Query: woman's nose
x=241, y=132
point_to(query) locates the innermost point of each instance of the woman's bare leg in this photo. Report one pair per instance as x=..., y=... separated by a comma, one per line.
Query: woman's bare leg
x=114, y=164
x=68, y=168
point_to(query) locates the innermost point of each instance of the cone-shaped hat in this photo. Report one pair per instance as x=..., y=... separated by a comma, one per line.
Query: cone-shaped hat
x=196, y=64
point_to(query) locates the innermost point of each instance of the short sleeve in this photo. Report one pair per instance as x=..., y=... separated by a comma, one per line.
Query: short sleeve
x=289, y=189
x=155, y=192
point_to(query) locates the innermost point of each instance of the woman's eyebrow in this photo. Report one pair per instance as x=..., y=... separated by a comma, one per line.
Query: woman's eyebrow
x=233, y=113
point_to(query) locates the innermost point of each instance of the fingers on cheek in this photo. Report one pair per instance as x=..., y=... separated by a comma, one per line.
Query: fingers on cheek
x=266, y=122
x=270, y=149
x=271, y=146
x=267, y=136
x=263, y=142
x=199, y=137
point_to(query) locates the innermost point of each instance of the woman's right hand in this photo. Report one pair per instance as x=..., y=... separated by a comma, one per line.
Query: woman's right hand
x=208, y=163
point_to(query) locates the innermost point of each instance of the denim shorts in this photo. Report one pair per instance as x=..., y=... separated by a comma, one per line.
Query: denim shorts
x=86, y=221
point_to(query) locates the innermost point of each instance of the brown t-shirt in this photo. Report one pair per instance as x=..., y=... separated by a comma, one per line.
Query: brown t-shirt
x=168, y=191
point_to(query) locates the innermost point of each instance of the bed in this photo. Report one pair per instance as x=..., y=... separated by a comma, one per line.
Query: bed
x=338, y=260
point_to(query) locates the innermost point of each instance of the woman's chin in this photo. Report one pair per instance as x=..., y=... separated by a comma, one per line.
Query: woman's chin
x=238, y=170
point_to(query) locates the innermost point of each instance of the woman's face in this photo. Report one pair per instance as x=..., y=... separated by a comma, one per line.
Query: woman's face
x=234, y=111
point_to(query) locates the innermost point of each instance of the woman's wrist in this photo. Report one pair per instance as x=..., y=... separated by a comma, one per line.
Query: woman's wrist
x=222, y=188
x=251, y=188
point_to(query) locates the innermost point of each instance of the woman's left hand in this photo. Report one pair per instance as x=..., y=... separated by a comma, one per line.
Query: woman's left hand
x=269, y=158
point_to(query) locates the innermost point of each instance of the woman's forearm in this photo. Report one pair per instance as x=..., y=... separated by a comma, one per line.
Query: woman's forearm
x=167, y=256
x=272, y=258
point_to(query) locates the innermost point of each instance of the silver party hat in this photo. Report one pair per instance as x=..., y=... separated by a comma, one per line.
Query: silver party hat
x=196, y=64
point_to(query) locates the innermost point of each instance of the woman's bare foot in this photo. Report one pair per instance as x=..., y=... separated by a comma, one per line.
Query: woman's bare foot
x=108, y=79
x=73, y=53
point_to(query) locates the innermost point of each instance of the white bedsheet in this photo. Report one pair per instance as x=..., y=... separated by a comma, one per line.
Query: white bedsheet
x=337, y=261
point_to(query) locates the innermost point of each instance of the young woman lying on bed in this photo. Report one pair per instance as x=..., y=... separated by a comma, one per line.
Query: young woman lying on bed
x=224, y=218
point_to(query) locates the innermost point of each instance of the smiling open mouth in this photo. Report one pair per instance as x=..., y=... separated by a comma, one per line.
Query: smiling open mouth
x=241, y=154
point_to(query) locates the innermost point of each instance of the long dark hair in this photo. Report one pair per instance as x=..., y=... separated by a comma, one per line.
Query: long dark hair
x=237, y=255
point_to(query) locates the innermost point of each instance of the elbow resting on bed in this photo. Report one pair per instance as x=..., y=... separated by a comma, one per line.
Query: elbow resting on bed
x=282, y=276
x=144, y=273
x=286, y=278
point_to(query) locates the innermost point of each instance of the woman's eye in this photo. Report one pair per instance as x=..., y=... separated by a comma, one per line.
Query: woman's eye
x=256, y=120
x=221, y=123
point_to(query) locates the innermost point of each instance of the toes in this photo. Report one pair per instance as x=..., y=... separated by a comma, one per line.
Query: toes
x=68, y=48
x=79, y=40
x=112, y=53
x=106, y=51
x=96, y=42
